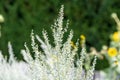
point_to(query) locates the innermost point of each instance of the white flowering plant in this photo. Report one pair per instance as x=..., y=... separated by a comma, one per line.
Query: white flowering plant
x=52, y=62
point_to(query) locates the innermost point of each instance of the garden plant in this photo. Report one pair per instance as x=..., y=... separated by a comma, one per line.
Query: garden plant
x=50, y=61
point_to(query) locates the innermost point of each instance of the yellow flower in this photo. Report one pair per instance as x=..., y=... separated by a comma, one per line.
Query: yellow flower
x=115, y=37
x=82, y=39
x=116, y=62
x=112, y=52
x=72, y=44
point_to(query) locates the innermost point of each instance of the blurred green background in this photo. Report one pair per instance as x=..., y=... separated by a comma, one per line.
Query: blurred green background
x=89, y=17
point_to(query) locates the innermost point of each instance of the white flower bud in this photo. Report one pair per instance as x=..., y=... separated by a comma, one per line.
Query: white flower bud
x=1, y=18
x=114, y=15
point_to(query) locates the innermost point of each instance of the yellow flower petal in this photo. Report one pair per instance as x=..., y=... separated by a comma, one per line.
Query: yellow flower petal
x=72, y=44
x=115, y=37
x=112, y=52
x=82, y=37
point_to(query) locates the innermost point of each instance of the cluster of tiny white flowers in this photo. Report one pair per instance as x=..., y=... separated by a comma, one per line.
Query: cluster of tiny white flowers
x=52, y=62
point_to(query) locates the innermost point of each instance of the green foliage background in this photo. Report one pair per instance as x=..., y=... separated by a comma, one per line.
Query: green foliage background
x=89, y=17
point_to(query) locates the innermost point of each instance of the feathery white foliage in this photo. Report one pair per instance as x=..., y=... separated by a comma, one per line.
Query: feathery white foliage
x=52, y=63
x=57, y=62
x=13, y=70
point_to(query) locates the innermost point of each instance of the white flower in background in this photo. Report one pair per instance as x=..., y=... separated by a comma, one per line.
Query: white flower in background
x=1, y=21
x=1, y=18
x=114, y=15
